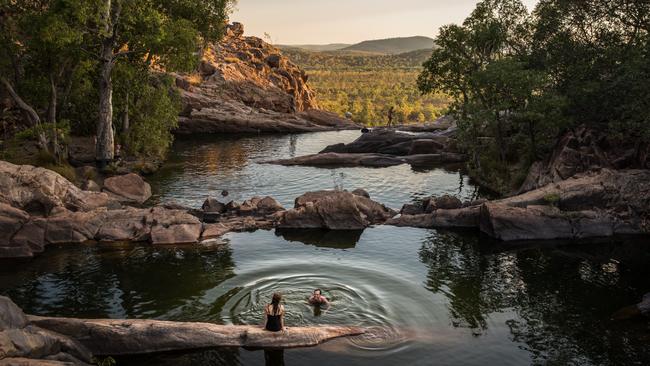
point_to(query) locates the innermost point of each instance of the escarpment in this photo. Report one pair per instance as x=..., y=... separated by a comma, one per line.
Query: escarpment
x=245, y=85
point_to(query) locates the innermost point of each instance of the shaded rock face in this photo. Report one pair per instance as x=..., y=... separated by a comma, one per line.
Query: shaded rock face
x=334, y=210
x=245, y=85
x=593, y=204
x=128, y=188
x=23, y=343
x=583, y=150
x=39, y=191
x=589, y=205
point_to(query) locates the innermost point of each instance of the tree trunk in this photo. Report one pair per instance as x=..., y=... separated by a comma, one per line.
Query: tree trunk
x=51, y=116
x=105, y=146
x=31, y=113
x=125, y=121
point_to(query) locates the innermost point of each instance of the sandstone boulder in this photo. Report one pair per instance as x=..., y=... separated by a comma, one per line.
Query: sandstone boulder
x=128, y=188
x=38, y=191
x=334, y=210
x=212, y=205
x=22, y=343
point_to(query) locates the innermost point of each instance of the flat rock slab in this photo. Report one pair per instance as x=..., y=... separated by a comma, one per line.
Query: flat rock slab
x=372, y=160
x=131, y=337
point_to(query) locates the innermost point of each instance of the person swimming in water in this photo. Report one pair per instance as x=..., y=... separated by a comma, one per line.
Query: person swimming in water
x=274, y=314
x=318, y=299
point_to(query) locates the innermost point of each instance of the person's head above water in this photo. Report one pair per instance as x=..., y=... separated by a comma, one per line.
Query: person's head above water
x=275, y=302
x=317, y=292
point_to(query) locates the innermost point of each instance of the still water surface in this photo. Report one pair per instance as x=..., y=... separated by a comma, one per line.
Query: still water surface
x=427, y=296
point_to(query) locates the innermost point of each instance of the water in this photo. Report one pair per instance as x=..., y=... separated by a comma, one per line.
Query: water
x=427, y=296
x=201, y=168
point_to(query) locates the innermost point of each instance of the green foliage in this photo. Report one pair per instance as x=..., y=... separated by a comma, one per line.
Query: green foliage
x=104, y=361
x=368, y=85
x=519, y=79
x=53, y=58
x=154, y=113
x=552, y=199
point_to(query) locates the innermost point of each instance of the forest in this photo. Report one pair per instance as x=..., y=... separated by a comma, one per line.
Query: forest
x=367, y=85
x=518, y=79
x=98, y=67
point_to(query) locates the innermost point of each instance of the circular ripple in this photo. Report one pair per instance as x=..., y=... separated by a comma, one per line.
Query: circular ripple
x=360, y=302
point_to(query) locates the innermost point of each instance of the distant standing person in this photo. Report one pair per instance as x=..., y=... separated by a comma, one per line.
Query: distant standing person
x=318, y=299
x=391, y=114
x=274, y=314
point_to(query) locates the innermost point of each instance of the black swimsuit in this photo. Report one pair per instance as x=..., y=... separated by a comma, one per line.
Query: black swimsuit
x=273, y=322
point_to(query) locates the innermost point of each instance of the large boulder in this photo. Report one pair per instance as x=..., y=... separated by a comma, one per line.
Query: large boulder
x=128, y=188
x=594, y=204
x=23, y=343
x=334, y=210
x=38, y=191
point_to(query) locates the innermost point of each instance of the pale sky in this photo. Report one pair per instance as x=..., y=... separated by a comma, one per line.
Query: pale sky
x=349, y=21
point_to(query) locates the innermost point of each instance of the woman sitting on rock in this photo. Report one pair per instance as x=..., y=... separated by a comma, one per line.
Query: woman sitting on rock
x=274, y=313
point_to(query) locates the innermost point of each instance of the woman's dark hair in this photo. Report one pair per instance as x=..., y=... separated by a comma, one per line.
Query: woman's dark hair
x=275, y=301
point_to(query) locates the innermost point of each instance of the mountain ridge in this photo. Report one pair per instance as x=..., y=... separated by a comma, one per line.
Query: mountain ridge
x=386, y=46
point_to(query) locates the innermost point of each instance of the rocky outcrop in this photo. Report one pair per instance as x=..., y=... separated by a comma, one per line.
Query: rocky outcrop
x=128, y=188
x=582, y=150
x=384, y=148
x=369, y=160
x=24, y=343
x=33, y=340
x=589, y=205
x=132, y=337
x=334, y=210
x=39, y=191
x=245, y=85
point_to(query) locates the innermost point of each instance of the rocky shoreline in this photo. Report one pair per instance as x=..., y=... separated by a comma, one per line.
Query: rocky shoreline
x=34, y=340
x=38, y=208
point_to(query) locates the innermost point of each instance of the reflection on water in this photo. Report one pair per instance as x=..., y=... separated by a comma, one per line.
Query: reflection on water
x=425, y=295
x=199, y=168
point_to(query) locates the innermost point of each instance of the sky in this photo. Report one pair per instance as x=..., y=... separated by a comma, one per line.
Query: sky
x=348, y=21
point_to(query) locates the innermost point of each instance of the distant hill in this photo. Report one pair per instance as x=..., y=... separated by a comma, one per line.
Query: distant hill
x=316, y=47
x=393, y=45
x=333, y=60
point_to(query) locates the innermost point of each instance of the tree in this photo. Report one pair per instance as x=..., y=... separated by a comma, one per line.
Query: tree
x=165, y=34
